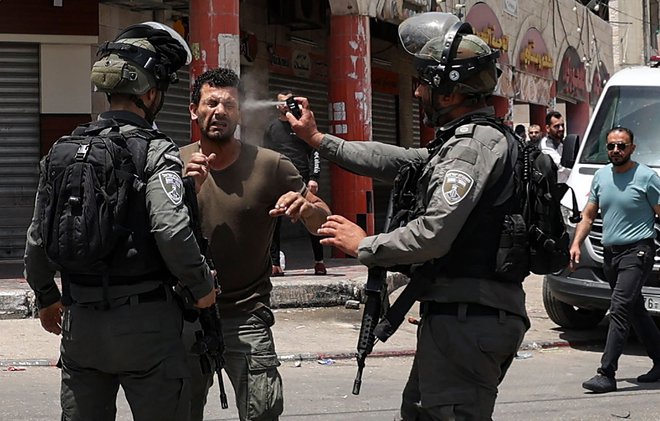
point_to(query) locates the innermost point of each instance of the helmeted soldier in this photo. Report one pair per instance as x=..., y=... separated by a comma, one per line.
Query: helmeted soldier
x=462, y=187
x=121, y=325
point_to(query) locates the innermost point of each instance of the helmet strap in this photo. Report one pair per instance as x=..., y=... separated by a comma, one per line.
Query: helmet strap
x=439, y=113
x=148, y=114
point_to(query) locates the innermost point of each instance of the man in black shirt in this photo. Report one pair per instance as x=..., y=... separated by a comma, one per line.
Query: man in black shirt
x=280, y=138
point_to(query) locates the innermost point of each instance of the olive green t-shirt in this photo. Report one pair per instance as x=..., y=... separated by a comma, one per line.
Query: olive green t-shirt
x=234, y=204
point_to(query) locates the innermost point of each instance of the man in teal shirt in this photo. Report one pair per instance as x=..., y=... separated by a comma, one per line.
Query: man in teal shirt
x=628, y=196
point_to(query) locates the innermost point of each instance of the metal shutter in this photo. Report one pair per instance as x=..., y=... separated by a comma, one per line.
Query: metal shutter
x=385, y=119
x=416, y=118
x=174, y=118
x=19, y=147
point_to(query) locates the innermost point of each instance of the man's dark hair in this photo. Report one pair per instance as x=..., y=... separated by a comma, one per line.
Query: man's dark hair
x=622, y=129
x=550, y=116
x=520, y=130
x=285, y=91
x=216, y=78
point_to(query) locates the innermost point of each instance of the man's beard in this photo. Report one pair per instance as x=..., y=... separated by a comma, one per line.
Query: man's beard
x=623, y=161
x=556, y=139
x=220, y=136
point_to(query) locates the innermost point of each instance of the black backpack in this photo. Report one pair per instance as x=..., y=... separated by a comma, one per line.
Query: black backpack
x=87, y=180
x=539, y=196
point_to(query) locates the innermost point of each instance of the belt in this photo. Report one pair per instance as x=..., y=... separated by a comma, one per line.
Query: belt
x=454, y=309
x=157, y=294
x=619, y=248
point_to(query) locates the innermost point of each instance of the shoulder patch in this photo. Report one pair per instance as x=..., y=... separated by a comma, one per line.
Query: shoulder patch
x=172, y=186
x=455, y=186
x=466, y=130
x=173, y=158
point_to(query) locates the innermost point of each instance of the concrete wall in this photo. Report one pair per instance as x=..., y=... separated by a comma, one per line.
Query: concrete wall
x=627, y=33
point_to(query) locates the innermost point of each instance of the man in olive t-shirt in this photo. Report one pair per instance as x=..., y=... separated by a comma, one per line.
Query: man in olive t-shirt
x=241, y=189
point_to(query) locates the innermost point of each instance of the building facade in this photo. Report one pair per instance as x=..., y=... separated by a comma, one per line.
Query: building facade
x=344, y=55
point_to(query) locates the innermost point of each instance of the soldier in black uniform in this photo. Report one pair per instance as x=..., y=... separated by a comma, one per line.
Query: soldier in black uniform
x=472, y=321
x=127, y=333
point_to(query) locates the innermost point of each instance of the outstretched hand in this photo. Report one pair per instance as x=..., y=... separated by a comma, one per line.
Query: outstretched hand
x=305, y=127
x=292, y=205
x=342, y=233
x=198, y=168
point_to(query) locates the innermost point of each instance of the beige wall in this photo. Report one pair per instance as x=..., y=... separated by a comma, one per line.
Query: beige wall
x=65, y=84
x=627, y=33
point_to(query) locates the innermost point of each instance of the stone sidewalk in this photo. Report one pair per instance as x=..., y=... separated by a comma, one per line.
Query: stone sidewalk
x=311, y=320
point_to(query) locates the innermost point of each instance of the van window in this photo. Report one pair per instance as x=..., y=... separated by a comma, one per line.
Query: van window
x=634, y=107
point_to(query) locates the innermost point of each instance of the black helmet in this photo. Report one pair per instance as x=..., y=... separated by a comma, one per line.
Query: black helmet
x=142, y=56
x=448, y=56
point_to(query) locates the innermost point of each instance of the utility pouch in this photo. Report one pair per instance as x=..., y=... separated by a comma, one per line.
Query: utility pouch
x=512, y=261
x=109, y=73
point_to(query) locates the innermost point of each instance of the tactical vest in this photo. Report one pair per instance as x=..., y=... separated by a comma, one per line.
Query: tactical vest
x=474, y=251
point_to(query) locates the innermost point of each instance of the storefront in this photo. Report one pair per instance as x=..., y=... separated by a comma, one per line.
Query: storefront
x=533, y=75
x=45, y=54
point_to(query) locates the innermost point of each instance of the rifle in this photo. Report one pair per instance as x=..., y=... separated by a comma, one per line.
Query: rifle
x=379, y=321
x=374, y=308
x=209, y=344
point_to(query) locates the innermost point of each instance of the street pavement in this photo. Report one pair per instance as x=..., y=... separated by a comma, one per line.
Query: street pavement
x=312, y=321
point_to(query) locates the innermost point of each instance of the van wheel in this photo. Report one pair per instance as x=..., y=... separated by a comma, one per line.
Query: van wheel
x=566, y=315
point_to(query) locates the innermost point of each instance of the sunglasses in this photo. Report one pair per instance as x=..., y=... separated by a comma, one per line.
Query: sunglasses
x=620, y=146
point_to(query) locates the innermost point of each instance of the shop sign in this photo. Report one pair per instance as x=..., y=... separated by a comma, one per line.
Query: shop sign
x=533, y=54
x=293, y=62
x=571, y=83
x=486, y=25
x=489, y=36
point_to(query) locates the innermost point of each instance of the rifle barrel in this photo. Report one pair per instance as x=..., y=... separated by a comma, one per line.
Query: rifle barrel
x=357, y=383
x=221, y=385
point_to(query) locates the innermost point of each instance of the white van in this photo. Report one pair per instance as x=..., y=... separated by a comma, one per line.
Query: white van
x=630, y=99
